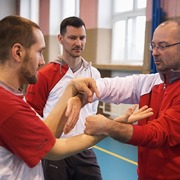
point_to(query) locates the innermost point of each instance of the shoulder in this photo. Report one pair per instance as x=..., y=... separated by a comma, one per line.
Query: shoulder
x=95, y=72
x=52, y=69
x=10, y=104
x=149, y=78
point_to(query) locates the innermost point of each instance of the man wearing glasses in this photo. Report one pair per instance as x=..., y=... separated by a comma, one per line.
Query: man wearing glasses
x=158, y=136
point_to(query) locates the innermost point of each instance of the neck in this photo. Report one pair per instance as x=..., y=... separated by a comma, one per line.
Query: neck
x=9, y=77
x=74, y=69
x=73, y=63
x=171, y=76
x=10, y=84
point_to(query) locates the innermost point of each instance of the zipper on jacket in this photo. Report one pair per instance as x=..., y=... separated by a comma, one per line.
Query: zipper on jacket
x=164, y=86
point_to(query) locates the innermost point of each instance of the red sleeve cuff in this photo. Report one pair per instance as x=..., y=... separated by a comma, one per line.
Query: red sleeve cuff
x=138, y=135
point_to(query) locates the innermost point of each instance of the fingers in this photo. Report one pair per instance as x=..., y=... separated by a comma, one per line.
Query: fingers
x=129, y=112
x=143, y=110
x=93, y=87
x=72, y=112
x=95, y=124
x=132, y=116
x=68, y=109
x=134, y=107
x=146, y=115
x=71, y=122
x=86, y=86
x=90, y=88
x=122, y=118
x=141, y=113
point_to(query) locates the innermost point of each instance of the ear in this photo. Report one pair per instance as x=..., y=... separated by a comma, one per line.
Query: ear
x=17, y=51
x=60, y=38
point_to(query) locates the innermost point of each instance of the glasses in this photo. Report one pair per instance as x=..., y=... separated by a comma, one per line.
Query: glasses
x=161, y=46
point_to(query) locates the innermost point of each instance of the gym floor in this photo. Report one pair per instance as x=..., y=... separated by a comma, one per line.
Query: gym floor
x=117, y=161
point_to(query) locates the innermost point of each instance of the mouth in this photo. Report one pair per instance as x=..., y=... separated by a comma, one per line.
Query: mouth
x=157, y=60
x=77, y=49
x=158, y=63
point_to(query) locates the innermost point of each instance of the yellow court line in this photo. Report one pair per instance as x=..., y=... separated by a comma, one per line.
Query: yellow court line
x=113, y=154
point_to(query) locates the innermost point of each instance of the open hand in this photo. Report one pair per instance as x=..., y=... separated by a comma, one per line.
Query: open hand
x=132, y=116
x=74, y=106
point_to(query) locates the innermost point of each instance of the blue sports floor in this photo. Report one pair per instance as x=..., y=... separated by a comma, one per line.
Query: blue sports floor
x=117, y=161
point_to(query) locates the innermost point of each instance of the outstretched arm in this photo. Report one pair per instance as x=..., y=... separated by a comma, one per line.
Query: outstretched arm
x=65, y=147
x=100, y=125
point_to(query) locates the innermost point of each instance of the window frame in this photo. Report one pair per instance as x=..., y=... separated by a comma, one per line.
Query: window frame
x=126, y=15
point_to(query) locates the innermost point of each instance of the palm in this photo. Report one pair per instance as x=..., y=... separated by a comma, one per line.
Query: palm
x=132, y=116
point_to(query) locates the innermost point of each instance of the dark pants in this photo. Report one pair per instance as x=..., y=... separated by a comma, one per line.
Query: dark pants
x=82, y=166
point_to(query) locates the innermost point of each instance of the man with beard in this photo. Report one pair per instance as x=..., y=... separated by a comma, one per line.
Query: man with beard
x=158, y=136
x=52, y=81
x=24, y=138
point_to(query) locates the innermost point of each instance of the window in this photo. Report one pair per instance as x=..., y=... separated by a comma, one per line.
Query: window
x=128, y=31
x=60, y=10
x=30, y=9
x=70, y=8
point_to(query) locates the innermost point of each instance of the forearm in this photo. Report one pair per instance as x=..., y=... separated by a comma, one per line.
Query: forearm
x=119, y=131
x=114, y=90
x=57, y=119
x=65, y=147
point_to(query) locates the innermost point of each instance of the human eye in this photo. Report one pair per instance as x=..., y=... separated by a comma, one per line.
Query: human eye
x=82, y=37
x=72, y=37
x=151, y=46
x=163, y=45
x=41, y=52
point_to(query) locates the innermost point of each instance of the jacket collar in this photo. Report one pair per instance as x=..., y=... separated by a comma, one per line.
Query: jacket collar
x=172, y=76
x=60, y=61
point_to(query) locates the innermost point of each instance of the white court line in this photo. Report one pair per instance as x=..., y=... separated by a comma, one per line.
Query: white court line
x=115, y=155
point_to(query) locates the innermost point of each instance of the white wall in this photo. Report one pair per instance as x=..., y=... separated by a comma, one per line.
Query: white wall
x=7, y=7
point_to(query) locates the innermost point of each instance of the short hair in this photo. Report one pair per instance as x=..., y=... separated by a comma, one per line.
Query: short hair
x=15, y=29
x=71, y=21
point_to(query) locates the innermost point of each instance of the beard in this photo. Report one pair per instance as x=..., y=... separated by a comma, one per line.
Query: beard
x=26, y=71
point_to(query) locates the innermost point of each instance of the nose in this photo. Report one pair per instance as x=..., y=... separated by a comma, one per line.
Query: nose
x=155, y=51
x=78, y=41
x=41, y=61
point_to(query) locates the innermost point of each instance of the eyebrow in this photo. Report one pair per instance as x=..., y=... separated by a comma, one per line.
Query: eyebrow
x=43, y=48
x=160, y=42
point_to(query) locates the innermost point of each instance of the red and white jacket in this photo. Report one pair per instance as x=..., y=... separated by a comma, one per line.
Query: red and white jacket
x=157, y=137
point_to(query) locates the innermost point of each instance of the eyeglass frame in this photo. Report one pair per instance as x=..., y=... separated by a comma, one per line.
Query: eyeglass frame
x=161, y=47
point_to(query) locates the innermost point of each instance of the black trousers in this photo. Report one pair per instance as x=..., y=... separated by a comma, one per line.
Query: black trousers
x=82, y=166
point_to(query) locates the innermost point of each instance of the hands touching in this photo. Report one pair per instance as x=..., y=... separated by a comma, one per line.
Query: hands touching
x=83, y=90
x=86, y=87
x=100, y=125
